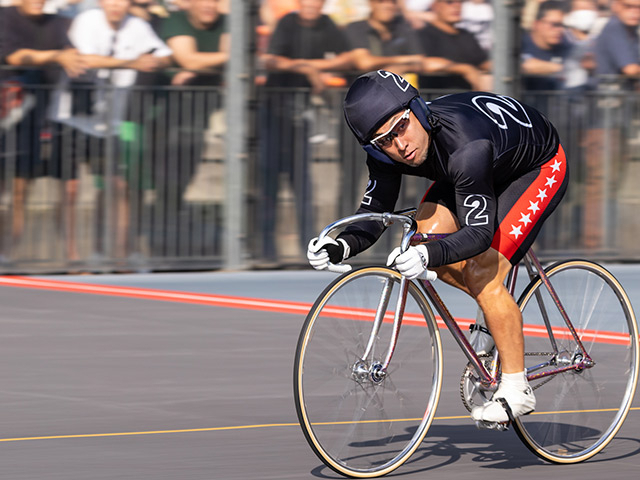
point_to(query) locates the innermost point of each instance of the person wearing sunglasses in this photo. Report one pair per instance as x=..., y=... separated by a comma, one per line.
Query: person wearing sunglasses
x=545, y=49
x=498, y=171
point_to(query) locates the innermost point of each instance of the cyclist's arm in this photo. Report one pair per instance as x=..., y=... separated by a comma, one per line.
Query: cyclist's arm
x=470, y=170
x=380, y=196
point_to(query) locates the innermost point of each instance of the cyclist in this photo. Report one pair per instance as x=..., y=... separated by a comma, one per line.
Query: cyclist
x=498, y=170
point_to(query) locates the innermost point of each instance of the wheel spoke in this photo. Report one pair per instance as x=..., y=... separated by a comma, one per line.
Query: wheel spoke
x=580, y=410
x=359, y=426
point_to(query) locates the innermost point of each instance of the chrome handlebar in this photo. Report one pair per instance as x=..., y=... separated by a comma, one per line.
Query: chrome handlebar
x=409, y=225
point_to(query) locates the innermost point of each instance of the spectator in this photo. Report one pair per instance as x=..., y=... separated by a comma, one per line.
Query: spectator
x=119, y=45
x=545, y=49
x=617, y=46
x=384, y=40
x=581, y=63
x=617, y=67
x=199, y=41
x=304, y=45
x=30, y=38
x=468, y=64
x=114, y=40
x=304, y=48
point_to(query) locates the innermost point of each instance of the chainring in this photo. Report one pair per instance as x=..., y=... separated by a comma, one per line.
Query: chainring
x=470, y=393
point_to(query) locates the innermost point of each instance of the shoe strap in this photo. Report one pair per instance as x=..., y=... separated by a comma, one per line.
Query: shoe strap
x=475, y=326
x=506, y=407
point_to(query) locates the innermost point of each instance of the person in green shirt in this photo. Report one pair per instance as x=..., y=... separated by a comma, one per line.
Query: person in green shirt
x=199, y=41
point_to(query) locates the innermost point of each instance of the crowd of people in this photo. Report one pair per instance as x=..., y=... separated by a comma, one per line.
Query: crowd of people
x=318, y=44
x=446, y=43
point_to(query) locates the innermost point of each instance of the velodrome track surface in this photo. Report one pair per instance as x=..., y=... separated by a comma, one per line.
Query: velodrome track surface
x=173, y=376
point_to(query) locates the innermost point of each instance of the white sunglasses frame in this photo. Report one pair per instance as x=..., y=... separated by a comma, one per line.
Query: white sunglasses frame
x=404, y=116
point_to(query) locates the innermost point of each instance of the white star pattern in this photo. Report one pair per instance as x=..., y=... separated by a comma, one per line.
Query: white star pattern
x=551, y=181
x=530, y=215
x=542, y=194
x=516, y=231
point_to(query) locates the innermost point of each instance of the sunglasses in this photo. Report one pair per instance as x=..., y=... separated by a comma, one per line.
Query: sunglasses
x=385, y=139
x=554, y=24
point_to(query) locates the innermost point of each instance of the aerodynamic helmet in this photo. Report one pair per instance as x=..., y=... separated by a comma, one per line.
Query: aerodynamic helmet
x=372, y=99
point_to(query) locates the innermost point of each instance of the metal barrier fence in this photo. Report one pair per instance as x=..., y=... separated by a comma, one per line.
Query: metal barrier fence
x=115, y=180
x=111, y=180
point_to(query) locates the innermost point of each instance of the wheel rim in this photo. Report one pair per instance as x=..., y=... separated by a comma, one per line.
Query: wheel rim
x=580, y=411
x=358, y=424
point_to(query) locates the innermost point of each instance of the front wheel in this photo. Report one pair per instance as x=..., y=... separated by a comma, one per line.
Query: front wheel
x=579, y=411
x=359, y=422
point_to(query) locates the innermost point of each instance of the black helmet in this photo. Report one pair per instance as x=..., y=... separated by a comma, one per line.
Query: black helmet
x=373, y=98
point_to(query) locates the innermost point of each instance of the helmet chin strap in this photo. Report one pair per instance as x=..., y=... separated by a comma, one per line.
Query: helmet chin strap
x=422, y=112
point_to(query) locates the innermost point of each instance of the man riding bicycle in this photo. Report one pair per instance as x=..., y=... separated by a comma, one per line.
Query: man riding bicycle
x=498, y=170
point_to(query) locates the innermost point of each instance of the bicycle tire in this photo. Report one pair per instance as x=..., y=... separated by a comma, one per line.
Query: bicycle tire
x=579, y=412
x=357, y=427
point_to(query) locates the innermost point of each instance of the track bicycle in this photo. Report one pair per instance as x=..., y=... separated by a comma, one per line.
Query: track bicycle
x=366, y=391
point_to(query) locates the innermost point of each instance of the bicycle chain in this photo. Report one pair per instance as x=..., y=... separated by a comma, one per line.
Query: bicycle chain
x=468, y=368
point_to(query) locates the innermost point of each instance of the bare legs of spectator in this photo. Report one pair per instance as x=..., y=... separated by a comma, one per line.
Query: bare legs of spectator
x=70, y=195
x=18, y=209
x=122, y=216
x=602, y=152
x=116, y=227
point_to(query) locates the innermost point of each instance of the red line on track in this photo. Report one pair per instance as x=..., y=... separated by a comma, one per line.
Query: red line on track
x=161, y=295
x=278, y=306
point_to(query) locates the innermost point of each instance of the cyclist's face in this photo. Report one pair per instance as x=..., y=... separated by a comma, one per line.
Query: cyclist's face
x=407, y=142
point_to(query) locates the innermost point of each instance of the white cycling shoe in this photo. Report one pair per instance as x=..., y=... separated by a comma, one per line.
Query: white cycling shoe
x=519, y=398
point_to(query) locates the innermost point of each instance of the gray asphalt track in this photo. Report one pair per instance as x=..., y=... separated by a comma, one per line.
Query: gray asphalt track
x=106, y=387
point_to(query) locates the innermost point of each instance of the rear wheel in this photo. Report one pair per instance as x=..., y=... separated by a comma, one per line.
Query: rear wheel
x=361, y=423
x=579, y=411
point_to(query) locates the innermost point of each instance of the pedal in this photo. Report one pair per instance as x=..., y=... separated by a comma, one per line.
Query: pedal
x=498, y=426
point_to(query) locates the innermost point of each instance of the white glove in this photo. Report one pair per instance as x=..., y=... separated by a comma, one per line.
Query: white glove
x=412, y=263
x=318, y=254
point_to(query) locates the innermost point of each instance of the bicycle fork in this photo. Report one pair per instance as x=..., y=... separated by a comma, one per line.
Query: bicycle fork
x=377, y=371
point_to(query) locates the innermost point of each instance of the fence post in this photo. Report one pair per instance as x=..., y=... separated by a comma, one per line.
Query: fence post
x=506, y=46
x=238, y=68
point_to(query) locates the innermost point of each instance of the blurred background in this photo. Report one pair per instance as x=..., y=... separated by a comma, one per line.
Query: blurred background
x=149, y=135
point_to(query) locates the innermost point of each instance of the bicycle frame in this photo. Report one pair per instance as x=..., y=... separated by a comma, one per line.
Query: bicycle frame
x=487, y=379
